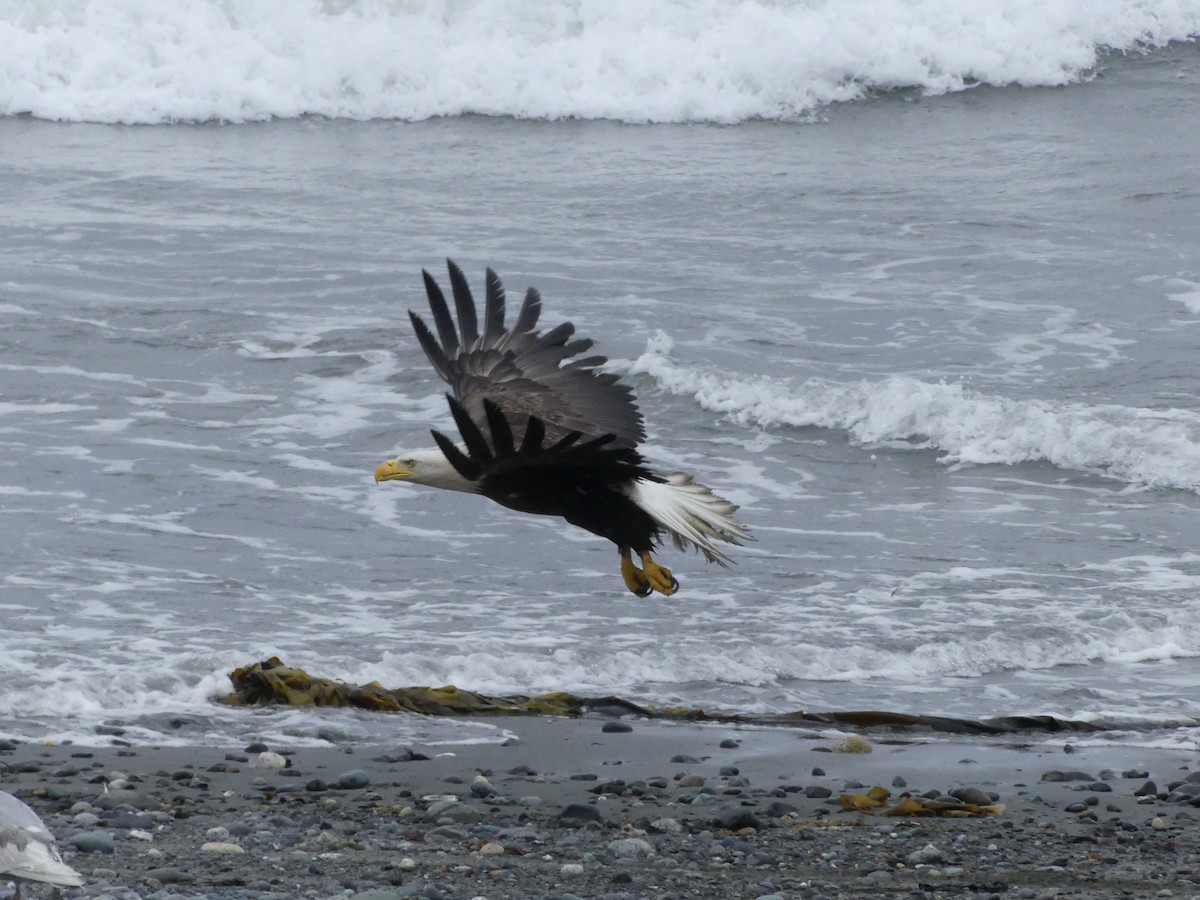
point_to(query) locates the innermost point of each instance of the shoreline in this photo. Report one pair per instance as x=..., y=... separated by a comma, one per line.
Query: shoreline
x=596, y=807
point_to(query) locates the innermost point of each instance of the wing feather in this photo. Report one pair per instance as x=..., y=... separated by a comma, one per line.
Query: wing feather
x=502, y=436
x=477, y=446
x=431, y=347
x=535, y=434
x=441, y=315
x=464, y=304
x=462, y=463
x=526, y=374
x=559, y=334
x=531, y=311
x=493, y=317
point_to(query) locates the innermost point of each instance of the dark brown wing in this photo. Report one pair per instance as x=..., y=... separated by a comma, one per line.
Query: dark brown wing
x=524, y=373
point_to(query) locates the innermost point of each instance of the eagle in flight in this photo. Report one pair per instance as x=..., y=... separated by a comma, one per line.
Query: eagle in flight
x=543, y=431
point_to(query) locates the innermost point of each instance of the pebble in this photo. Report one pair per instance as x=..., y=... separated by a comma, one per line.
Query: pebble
x=492, y=849
x=737, y=818
x=927, y=855
x=571, y=869
x=270, y=760
x=113, y=799
x=1055, y=775
x=221, y=847
x=972, y=795
x=616, y=727
x=92, y=842
x=353, y=780
x=630, y=848
x=580, y=812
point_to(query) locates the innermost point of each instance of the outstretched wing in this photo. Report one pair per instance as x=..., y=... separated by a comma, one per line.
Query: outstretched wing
x=535, y=470
x=526, y=375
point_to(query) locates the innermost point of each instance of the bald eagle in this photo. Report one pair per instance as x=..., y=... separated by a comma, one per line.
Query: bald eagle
x=544, y=432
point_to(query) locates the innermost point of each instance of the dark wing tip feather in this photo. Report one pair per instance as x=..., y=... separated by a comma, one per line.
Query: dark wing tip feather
x=502, y=436
x=462, y=463
x=493, y=316
x=477, y=446
x=531, y=309
x=429, y=344
x=576, y=347
x=464, y=304
x=441, y=315
x=558, y=335
x=535, y=434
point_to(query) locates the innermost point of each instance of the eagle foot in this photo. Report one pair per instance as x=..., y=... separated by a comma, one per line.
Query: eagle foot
x=635, y=578
x=660, y=577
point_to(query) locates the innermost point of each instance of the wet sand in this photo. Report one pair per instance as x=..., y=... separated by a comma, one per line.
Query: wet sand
x=574, y=808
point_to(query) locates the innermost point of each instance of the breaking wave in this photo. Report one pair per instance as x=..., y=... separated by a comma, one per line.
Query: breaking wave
x=1154, y=447
x=142, y=61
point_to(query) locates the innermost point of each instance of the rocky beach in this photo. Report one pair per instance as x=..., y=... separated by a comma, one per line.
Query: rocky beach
x=601, y=807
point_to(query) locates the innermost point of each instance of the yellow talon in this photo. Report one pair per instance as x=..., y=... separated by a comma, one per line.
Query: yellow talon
x=635, y=578
x=660, y=578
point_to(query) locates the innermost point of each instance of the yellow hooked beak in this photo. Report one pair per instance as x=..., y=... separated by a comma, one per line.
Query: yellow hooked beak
x=391, y=470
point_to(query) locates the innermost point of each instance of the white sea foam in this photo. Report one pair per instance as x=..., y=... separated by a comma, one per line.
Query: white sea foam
x=675, y=60
x=1157, y=447
x=1189, y=296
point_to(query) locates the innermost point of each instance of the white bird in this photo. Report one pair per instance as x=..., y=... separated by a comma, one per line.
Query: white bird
x=27, y=851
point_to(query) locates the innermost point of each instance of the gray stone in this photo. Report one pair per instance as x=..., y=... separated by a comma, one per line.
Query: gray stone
x=972, y=795
x=1056, y=775
x=631, y=848
x=462, y=813
x=580, y=812
x=92, y=842
x=352, y=780
x=737, y=818
x=779, y=809
x=170, y=875
x=112, y=799
x=927, y=855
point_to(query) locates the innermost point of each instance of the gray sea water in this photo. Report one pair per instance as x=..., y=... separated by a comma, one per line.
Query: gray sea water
x=941, y=350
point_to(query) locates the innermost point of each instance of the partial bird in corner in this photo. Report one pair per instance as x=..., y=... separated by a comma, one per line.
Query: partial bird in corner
x=543, y=431
x=27, y=851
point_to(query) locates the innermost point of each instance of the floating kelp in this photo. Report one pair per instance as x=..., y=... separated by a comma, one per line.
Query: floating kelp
x=272, y=683
x=875, y=803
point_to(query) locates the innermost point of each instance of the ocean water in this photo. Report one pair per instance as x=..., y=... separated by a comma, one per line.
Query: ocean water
x=915, y=286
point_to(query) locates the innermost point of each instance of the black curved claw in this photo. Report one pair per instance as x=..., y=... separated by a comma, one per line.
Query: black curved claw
x=674, y=584
x=645, y=592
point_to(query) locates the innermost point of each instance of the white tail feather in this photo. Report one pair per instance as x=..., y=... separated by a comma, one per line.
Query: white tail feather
x=691, y=513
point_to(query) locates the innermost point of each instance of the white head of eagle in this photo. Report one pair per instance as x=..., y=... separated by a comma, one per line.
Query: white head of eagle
x=543, y=431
